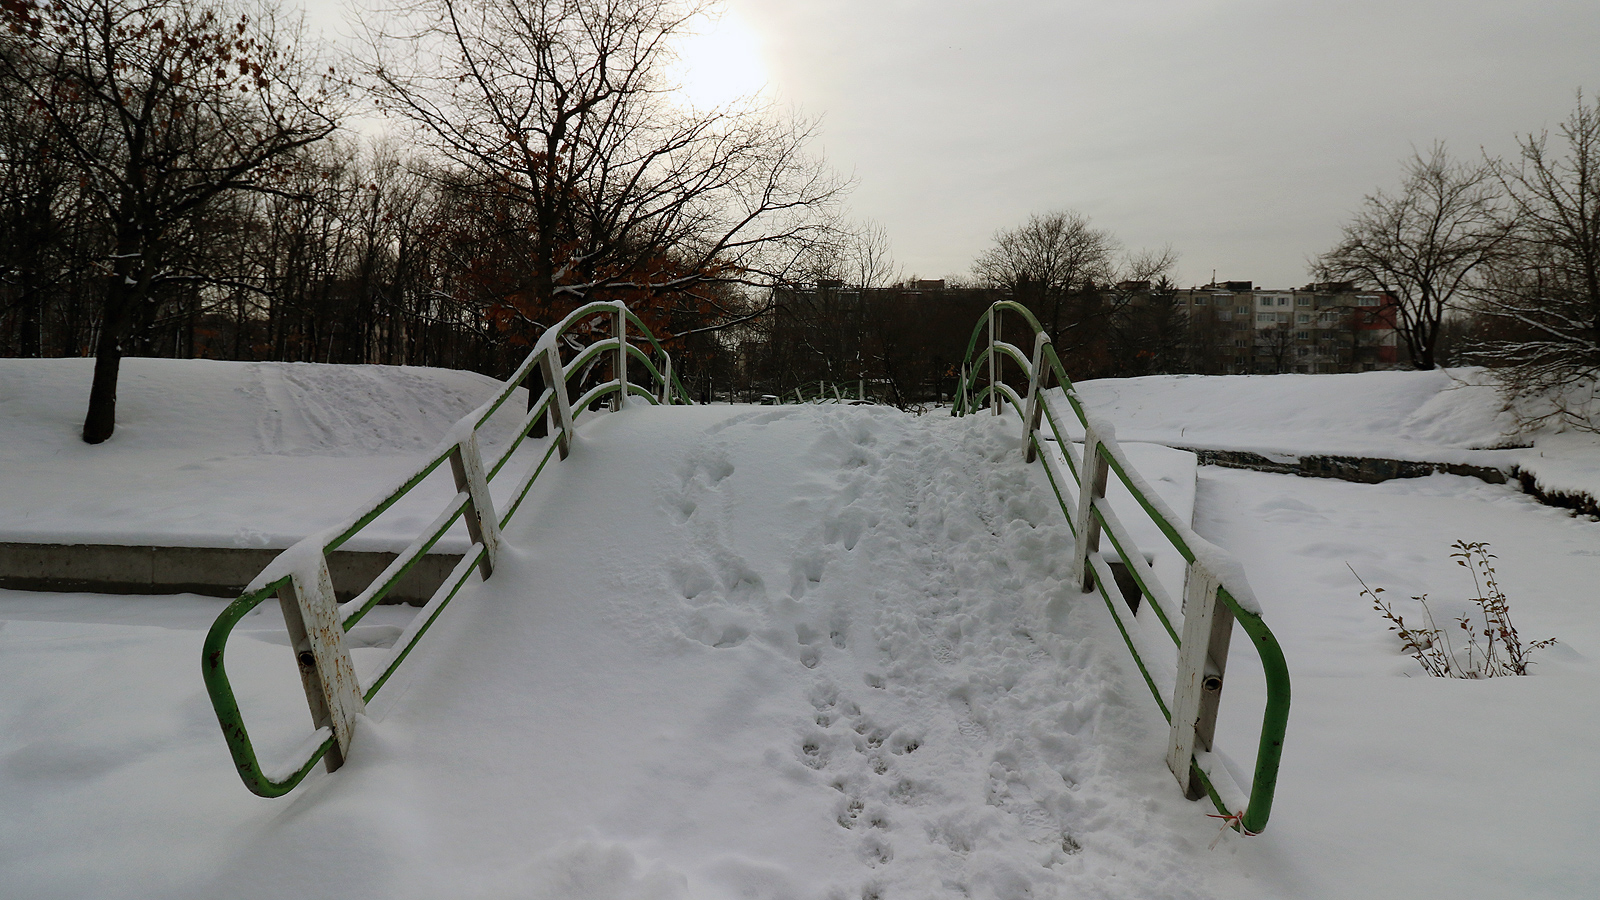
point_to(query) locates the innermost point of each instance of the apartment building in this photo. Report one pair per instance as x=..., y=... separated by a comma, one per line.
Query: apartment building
x=1238, y=328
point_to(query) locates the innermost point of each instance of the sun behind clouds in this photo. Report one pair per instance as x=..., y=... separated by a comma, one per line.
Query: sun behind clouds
x=719, y=62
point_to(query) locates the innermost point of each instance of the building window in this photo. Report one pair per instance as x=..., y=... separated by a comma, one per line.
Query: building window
x=1224, y=315
x=1302, y=301
x=1302, y=319
x=1266, y=301
x=1302, y=335
x=1242, y=310
x=1239, y=342
x=1367, y=300
x=1283, y=318
x=1283, y=301
x=1201, y=301
x=1266, y=317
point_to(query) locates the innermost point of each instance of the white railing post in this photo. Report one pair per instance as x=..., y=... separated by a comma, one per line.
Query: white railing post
x=1092, y=474
x=620, y=323
x=483, y=526
x=311, y=616
x=1202, y=660
x=556, y=378
x=994, y=368
x=1035, y=404
x=666, y=379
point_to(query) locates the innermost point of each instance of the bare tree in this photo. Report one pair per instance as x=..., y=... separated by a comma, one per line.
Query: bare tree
x=1047, y=261
x=1542, y=303
x=562, y=107
x=161, y=106
x=1274, y=347
x=867, y=260
x=1153, y=266
x=1424, y=245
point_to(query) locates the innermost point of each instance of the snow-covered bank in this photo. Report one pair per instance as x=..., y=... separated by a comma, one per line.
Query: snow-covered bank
x=1399, y=415
x=1395, y=784
x=1450, y=416
x=221, y=454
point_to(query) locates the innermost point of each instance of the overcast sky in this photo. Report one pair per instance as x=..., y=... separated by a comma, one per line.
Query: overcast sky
x=1241, y=132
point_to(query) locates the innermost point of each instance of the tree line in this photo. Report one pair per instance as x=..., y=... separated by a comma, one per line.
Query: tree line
x=174, y=181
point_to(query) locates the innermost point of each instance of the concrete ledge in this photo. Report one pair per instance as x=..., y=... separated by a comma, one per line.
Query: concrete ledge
x=213, y=571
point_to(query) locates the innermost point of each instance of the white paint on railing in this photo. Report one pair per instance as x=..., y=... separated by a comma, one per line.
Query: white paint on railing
x=311, y=615
x=619, y=322
x=1202, y=662
x=1036, y=387
x=1091, y=487
x=555, y=376
x=466, y=464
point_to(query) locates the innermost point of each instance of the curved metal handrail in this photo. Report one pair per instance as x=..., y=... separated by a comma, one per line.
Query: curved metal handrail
x=1103, y=455
x=298, y=575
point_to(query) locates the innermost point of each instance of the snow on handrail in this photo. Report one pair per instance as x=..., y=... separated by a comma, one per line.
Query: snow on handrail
x=299, y=575
x=1216, y=593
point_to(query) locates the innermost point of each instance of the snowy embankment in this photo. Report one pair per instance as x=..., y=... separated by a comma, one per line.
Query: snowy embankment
x=810, y=653
x=1444, y=416
x=803, y=652
x=223, y=454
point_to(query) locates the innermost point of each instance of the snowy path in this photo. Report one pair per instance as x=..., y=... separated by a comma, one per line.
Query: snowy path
x=791, y=652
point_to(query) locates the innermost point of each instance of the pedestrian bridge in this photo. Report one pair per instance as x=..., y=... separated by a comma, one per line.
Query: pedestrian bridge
x=889, y=615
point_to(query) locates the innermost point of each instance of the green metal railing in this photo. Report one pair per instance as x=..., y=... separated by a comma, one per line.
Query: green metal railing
x=1215, y=594
x=827, y=392
x=299, y=577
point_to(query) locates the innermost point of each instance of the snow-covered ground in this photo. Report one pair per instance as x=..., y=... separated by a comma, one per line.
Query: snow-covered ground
x=1443, y=416
x=808, y=652
x=222, y=454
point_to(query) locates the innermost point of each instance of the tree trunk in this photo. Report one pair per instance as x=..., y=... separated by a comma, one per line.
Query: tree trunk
x=101, y=419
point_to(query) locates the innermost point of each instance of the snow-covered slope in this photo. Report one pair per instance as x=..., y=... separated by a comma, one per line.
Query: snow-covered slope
x=211, y=453
x=1442, y=416
x=1401, y=415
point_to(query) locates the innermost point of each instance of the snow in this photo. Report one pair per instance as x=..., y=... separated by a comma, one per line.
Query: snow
x=227, y=454
x=1395, y=415
x=1442, y=416
x=1394, y=784
x=784, y=652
